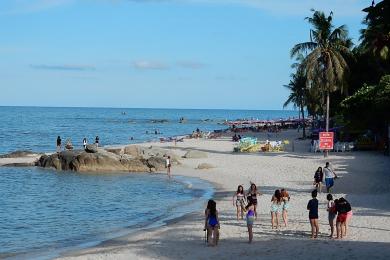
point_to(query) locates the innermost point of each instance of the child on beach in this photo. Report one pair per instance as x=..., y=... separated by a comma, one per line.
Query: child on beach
x=312, y=206
x=331, y=208
x=285, y=205
x=211, y=223
x=168, y=166
x=275, y=208
x=344, y=213
x=318, y=179
x=252, y=196
x=250, y=218
x=239, y=201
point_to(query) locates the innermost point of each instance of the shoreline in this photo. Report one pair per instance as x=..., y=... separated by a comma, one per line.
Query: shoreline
x=148, y=228
x=183, y=237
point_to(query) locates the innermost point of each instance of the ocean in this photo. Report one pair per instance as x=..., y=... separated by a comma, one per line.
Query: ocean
x=44, y=213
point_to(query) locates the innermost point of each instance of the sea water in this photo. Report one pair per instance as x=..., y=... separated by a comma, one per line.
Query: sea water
x=44, y=213
x=37, y=128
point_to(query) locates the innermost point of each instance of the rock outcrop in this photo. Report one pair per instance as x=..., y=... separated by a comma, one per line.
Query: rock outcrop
x=193, y=154
x=18, y=154
x=131, y=159
x=91, y=148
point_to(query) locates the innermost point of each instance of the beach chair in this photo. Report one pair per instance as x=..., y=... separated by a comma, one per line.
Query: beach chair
x=315, y=147
x=350, y=146
x=207, y=135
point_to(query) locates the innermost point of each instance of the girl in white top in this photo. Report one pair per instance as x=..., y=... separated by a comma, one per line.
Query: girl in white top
x=168, y=166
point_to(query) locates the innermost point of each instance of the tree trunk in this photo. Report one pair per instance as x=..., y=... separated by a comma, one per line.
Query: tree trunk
x=303, y=123
x=327, y=119
x=299, y=118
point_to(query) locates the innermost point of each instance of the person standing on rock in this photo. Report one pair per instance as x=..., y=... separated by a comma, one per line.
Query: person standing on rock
x=85, y=142
x=97, y=141
x=58, y=144
x=168, y=165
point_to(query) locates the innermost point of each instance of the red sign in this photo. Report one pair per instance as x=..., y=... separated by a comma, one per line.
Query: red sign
x=326, y=140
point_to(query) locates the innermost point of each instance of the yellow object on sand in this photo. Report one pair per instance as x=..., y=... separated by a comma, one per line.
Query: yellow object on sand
x=251, y=148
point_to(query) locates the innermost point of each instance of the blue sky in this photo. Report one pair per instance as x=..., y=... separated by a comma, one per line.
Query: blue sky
x=155, y=53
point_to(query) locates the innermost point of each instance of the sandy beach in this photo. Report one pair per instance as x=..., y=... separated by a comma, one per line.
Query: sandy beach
x=364, y=181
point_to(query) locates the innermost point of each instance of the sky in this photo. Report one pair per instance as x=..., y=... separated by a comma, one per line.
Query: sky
x=225, y=54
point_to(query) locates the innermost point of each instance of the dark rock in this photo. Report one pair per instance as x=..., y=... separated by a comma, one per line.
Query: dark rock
x=91, y=148
x=157, y=163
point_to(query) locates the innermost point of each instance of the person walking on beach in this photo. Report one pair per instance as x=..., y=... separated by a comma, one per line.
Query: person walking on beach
x=252, y=196
x=285, y=205
x=250, y=218
x=331, y=208
x=275, y=208
x=239, y=201
x=318, y=179
x=330, y=175
x=97, y=141
x=58, y=144
x=312, y=206
x=168, y=165
x=211, y=223
x=85, y=143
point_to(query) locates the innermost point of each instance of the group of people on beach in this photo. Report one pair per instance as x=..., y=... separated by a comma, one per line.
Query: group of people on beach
x=339, y=210
x=69, y=145
x=246, y=202
x=329, y=174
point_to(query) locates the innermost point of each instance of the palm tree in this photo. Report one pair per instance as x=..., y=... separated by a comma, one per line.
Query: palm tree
x=376, y=37
x=297, y=97
x=325, y=63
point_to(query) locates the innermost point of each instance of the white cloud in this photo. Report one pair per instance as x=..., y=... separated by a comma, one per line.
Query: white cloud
x=150, y=65
x=64, y=67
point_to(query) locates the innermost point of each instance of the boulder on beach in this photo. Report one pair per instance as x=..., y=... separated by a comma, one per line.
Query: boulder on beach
x=91, y=162
x=133, y=150
x=205, y=166
x=158, y=163
x=149, y=152
x=134, y=159
x=91, y=148
x=117, y=151
x=193, y=154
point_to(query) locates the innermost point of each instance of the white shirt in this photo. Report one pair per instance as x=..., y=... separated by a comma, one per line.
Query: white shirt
x=328, y=173
x=168, y=162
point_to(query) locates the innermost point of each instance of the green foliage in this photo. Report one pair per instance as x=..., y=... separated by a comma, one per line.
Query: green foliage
x=369, y=107
x=376, y=37
x=325, y=65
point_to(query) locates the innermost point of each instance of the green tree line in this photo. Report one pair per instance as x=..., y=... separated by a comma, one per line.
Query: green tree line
x=335, y=79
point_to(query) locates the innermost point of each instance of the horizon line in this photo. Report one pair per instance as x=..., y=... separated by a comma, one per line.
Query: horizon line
x=173, y=108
